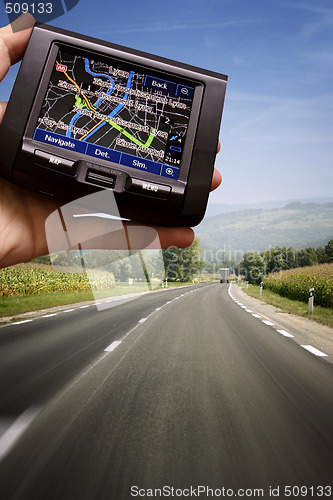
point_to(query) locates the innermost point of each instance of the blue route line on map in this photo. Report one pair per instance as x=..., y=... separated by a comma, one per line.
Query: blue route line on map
x=116, y=109
x=77, y=115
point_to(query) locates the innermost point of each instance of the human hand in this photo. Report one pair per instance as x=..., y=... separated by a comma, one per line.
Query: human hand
x=22, y=212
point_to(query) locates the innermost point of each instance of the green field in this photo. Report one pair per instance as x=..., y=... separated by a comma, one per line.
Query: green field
x=294, y=284
x=33, y=287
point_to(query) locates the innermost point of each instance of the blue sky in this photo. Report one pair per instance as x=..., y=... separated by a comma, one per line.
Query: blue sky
x=277, y=126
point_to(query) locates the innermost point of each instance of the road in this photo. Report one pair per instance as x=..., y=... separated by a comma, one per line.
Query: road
x=177, y=389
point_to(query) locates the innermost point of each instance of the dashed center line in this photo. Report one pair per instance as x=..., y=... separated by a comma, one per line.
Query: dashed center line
x=12, y=434
x=112, y=346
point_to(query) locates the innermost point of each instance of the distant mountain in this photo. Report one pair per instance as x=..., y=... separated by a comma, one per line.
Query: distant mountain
x=296, y=225
x=219, y=208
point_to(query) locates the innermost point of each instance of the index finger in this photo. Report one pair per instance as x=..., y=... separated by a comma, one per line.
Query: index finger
x=13, y=41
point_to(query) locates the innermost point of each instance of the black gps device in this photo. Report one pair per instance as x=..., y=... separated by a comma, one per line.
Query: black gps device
x=86, y=115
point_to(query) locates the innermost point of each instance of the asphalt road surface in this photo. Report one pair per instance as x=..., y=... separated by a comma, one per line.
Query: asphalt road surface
x=180, y=389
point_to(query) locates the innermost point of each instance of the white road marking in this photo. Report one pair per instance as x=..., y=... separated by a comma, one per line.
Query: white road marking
x=21, y=322
x=112, y=346
x=85, y=306
x=158, y=308
x=9, y=438
x=269, y=323
x=249, y=310
x=142, y=320
x=284, y=333
x=314, y=351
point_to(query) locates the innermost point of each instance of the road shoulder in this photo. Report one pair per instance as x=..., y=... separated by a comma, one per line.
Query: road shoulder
x=303, y=330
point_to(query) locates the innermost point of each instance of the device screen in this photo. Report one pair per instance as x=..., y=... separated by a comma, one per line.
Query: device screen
x=109, y=110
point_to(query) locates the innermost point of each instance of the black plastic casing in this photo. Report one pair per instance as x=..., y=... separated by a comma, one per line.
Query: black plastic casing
x=186, y=201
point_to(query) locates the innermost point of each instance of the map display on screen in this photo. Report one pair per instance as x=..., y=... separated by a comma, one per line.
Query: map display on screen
x=109, y=110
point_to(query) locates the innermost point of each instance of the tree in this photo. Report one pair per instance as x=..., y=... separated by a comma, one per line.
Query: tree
x=70, y=258
x=306, y=257
x=329, y=251
x=181, y=264
x=122, y=269
x=321, y=255
x=44, y=259
x=253, y=266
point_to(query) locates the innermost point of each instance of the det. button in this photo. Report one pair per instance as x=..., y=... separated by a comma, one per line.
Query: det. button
x=147, y=188
x=55, y=162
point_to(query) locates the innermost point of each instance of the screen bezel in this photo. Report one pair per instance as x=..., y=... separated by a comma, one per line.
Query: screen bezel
x=109, y=53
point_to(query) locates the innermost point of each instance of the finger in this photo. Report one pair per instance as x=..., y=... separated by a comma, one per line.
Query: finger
x=217, y=179
x=13, y=41
x=3, y=106
x=180, y=237
x=138, y=237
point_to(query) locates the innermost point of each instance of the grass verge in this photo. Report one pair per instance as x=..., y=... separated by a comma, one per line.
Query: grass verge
x=321, y=315
x=16, y=305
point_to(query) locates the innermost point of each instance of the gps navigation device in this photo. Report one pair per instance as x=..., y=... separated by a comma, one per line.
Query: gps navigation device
x=86, y=115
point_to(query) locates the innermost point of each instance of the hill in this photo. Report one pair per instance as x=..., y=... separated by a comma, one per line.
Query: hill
x=219, y=208
x=296, y=225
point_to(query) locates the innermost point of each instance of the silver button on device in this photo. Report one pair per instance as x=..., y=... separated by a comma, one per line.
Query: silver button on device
x=146, y=188
x=55, y=162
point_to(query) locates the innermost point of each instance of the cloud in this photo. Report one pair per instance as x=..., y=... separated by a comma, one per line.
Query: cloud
x=321, y=19
x=190, y=25
x=281, y=121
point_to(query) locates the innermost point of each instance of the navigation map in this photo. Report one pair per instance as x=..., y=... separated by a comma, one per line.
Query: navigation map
x=110, y=110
